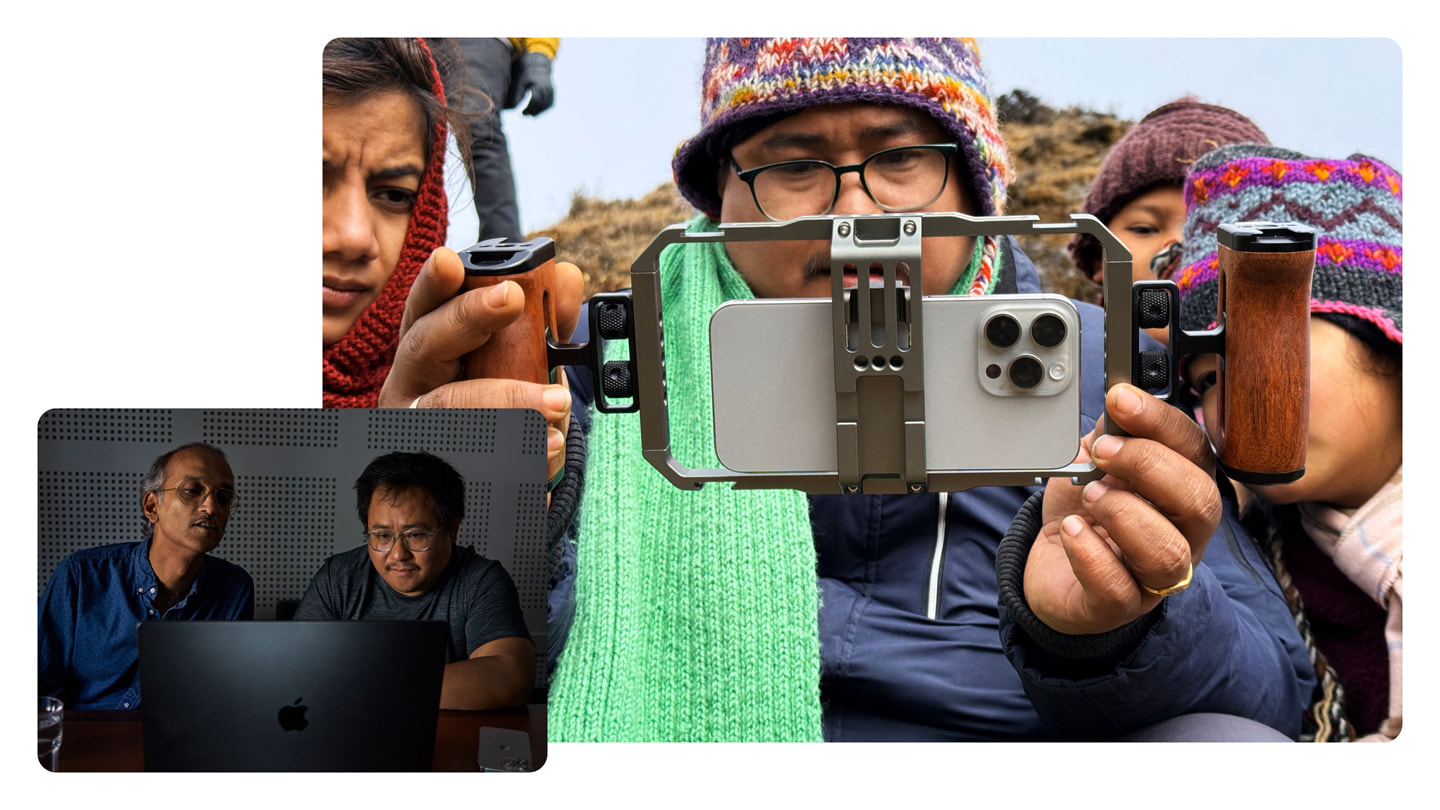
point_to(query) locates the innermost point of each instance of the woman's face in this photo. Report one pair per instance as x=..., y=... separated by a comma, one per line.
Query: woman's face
x=374, y=161
x=1355, y=444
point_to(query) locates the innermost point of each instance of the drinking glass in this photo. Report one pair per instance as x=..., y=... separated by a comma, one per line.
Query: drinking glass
x=51, y=729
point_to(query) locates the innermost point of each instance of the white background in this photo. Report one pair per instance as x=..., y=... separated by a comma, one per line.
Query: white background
x=160, y=208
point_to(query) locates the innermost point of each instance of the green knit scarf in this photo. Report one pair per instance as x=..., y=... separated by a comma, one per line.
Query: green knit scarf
x=696, y=611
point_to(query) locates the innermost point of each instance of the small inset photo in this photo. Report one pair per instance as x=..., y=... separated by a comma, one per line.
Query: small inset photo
x=292, y=590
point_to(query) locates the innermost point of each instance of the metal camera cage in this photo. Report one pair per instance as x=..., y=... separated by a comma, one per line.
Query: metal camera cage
x=886, y=240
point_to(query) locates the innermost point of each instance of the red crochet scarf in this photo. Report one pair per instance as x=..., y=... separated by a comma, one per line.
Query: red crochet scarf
x=355, y=366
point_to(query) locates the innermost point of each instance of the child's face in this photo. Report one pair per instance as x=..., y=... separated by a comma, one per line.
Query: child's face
x=1354, y=443
x=1147, y=224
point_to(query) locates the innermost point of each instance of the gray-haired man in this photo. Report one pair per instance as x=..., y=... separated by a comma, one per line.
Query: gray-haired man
x=95, y=598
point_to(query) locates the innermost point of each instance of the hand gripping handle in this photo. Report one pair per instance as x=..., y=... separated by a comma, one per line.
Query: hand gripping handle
x=518, y=351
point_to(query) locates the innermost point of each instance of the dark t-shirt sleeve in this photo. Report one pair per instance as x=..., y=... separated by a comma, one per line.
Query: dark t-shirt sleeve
x=495, y=613
x=321, y=599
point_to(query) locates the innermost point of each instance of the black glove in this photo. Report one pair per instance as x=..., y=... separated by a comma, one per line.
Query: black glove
x=535, y=77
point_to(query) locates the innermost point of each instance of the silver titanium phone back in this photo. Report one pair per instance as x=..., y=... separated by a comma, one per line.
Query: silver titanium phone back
x=774, y=386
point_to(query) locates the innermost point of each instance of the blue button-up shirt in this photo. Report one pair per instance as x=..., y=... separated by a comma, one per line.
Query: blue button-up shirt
x=94, y=602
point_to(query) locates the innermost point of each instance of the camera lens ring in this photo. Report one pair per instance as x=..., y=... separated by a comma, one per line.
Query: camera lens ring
x=1026, y=372
x=1048, y=330
x=1002, y=331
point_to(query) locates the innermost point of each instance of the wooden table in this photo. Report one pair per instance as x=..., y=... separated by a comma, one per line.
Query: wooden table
x=113, y=741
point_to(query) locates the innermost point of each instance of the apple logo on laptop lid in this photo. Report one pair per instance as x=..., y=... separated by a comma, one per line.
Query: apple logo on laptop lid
x=292, y=717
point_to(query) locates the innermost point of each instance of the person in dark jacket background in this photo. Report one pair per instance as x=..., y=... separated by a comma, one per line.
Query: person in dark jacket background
x=505, y=71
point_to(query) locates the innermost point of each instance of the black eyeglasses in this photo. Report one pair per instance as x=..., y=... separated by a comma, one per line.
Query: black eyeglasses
x=382, y=540
x=900, y=179
x=194, y=493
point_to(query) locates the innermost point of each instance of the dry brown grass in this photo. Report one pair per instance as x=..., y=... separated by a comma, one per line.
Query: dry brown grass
x=604, y=237
x=1055, y=155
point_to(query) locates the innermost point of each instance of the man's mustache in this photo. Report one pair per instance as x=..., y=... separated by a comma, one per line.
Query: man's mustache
x=818, y=264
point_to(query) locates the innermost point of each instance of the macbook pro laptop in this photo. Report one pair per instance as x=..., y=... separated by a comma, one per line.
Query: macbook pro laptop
x=290, y=696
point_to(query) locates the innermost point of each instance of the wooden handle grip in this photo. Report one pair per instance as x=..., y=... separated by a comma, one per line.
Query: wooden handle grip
x=1264, y=379
x=517, y=352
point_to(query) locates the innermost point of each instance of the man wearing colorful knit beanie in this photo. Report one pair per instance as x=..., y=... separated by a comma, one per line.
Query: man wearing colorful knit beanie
x=719, y=614
x=1335, y=534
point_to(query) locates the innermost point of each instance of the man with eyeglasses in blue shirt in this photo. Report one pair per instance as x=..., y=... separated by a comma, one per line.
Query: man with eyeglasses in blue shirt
x=410, y=568
x=95, y=599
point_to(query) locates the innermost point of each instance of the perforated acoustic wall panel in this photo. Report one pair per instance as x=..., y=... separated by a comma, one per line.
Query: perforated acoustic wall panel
x=83, y=509
x=294, y=477
x=106, y=426
x=276, y=427
x=282, y=533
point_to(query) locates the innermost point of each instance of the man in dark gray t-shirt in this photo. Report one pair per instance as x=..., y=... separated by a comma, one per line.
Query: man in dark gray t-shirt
x=411, y=505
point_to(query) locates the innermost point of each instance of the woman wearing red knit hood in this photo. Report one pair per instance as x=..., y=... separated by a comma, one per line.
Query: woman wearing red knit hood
x=385, y=210
x=394, y=328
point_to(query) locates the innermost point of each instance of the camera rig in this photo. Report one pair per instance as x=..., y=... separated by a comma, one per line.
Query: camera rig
x=869, y=458
x=1262, y=335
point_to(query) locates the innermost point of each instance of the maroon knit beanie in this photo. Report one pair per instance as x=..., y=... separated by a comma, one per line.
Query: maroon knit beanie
x=1157, y=151
x=355, y=366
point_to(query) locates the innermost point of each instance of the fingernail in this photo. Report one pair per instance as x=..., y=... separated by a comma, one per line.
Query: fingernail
x=1126, y=400
x=556, y=399
x=1094, y=491
x=1105, y=446
x=1072, y=526
x=554, y=440
x=498, y=294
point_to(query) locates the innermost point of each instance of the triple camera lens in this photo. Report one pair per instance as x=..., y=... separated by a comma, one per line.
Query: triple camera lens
x=1047, y=331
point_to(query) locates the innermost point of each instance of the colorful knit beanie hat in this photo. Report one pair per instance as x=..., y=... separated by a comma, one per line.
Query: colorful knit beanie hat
x=1354, y=205
x=1156, y=151
x=355, y=366
x=750, y=83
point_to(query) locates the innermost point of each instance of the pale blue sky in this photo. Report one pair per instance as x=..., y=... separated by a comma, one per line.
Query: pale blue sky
x=622, y=105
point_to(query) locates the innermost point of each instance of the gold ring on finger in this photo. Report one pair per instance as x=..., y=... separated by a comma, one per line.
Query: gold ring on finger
x=1173, y=589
